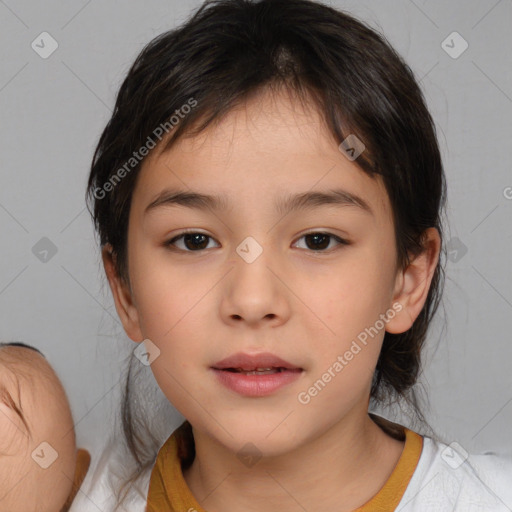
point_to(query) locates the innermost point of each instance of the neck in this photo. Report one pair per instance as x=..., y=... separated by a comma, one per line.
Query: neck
x=343, y=468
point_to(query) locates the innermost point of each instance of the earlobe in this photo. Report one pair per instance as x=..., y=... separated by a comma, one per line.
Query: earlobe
x=122, y=296
x=412, y=284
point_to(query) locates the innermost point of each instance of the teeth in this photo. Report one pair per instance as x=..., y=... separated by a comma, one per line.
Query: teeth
x=258, y=371
x=263, y=371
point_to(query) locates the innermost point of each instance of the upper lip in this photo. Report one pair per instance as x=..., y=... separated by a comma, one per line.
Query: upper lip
x=251, y=362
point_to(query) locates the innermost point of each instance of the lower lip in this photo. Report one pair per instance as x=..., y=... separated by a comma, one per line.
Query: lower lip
x=256, y=385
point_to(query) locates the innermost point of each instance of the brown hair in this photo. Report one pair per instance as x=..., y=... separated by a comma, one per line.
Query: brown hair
x=230, y=50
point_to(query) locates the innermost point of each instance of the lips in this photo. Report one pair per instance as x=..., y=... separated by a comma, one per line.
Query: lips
x=257, y=375
x=264, y=362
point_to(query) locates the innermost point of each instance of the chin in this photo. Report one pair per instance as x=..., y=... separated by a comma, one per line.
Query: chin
x=260, y=440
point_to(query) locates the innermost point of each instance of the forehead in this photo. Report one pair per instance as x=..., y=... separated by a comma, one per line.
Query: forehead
x=270, y=144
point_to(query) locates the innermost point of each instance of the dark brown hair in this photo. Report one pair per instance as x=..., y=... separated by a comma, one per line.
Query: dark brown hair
x=231, y=50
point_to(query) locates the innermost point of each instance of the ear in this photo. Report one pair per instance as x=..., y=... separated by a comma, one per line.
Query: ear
x=413, y=283
x=122, y=296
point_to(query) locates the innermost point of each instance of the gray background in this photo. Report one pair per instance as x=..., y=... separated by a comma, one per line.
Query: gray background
x=53, y=111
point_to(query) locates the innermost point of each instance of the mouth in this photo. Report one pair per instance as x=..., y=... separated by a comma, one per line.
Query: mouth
x=255, y=364
x=259, y=381
x=260, y=371
x=256, y=375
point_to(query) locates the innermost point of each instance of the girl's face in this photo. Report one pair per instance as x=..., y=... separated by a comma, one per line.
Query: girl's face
x=254, y=279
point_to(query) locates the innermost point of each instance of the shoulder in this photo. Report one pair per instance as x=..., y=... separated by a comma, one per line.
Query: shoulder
x=104, y=476
x=447, y=478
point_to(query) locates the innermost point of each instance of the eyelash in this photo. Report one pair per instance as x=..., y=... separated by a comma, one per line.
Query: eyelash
x=170, y=243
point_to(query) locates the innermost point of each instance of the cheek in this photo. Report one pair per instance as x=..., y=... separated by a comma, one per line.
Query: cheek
x=180, y=373
x=162, y=295
x=172, y=315
x=349, y=298
x=350, y=302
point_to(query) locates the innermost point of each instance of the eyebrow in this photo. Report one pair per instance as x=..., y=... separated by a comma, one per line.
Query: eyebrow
x=286, y=204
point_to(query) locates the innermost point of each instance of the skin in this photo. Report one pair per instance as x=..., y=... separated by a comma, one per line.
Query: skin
x=39, y=396
x=302, y=304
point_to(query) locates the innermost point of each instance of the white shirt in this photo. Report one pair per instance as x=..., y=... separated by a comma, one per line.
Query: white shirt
x=445, y=480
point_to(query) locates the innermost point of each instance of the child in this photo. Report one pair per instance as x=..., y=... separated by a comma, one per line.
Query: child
x=268, y=196
x=40, y=468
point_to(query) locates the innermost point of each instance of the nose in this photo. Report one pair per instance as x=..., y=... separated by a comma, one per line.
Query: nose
x=255, y=292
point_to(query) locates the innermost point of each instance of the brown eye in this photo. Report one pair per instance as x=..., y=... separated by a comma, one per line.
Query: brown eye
x=319, y=241
x=192, y=241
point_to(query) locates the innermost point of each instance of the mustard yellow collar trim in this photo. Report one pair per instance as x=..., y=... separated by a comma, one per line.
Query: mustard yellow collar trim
x=177, y=497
